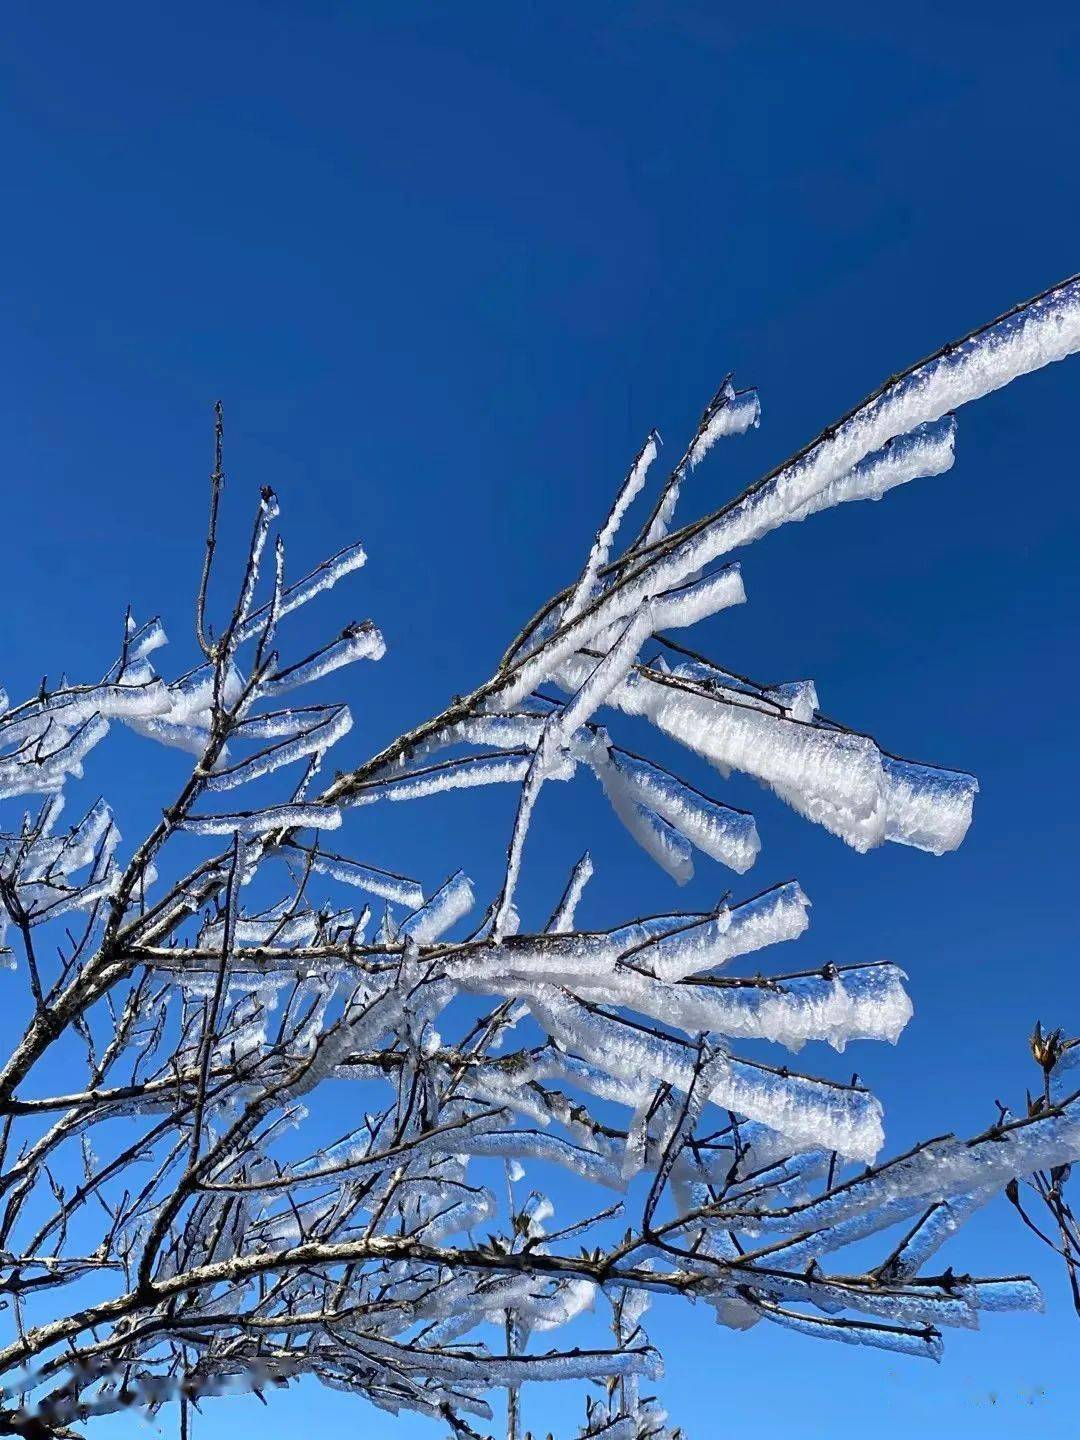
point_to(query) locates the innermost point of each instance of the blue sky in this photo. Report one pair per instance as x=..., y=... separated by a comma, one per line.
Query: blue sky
x=446, y=266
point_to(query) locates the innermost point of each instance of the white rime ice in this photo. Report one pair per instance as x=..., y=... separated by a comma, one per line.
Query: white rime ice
x=730, y=412
x=833, y=776
x=778, y=915
x=685, y=605
x=563, y=918
x=449, y=903
x=927, y=808
x=860, y=1003
x=259, y=822
x=719, y=831
x=489, y=1038
x=937, y=1226
x=465, y=774
x=318, y=736
x=321, y=579
x=601, y=550
x=925, y=451
x=383, y=883
x=359, y=642
x=805, y=1111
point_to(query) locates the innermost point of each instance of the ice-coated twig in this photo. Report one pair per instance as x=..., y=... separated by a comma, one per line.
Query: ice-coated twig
x=175, y=1225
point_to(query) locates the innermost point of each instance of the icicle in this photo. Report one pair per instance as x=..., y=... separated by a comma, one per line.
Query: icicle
x=499, y=731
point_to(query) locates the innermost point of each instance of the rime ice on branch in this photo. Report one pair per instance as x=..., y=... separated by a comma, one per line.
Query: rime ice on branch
x=206, y=980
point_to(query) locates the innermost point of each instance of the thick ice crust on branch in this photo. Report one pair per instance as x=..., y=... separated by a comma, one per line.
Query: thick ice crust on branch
x=221, y=1240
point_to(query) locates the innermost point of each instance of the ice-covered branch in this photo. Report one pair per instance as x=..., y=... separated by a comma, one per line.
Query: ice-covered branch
x=176, y=1220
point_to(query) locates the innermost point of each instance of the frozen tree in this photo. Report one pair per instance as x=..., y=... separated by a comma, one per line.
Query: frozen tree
x=175, y=1224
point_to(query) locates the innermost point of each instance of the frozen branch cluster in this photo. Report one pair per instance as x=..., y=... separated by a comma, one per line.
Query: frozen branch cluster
x=182, y=1223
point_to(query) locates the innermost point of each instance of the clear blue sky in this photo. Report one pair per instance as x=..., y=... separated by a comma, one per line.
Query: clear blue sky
x=446, y=265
